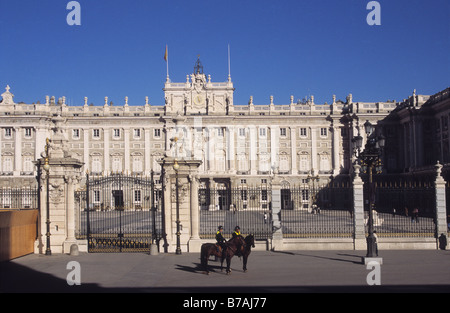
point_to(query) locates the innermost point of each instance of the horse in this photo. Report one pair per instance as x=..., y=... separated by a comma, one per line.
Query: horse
x=206, y=251
x=239, y=246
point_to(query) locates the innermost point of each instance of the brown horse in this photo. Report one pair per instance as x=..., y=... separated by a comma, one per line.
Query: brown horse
x=206, y=251
x=241, y=247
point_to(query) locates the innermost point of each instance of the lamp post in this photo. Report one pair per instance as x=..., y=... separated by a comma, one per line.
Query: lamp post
x=370, y=160
x=176, y=166
x=46, y=167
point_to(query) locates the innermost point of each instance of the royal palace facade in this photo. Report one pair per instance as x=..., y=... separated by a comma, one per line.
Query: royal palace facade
x=237, y=143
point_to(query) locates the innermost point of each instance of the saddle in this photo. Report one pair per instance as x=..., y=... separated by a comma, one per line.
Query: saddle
x=218, y=248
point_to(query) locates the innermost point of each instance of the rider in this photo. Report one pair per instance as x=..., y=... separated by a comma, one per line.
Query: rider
x=237, y=233
x=220, y=239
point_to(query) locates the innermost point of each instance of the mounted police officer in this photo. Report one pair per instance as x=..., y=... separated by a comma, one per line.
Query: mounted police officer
x=220, y=239
x=237, y=232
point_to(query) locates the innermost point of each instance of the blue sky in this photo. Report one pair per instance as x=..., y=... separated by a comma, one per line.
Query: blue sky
x=279, y=48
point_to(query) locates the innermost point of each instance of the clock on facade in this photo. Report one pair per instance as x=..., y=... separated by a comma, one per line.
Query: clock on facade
x=198, y=99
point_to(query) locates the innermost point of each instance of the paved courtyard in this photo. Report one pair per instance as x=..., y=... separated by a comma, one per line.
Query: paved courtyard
x=269, y=272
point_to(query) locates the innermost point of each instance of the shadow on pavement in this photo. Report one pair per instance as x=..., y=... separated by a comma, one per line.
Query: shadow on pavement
x=15, y=278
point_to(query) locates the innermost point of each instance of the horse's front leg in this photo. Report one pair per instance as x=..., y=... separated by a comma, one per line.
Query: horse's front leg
x=228, y=265
x=221, y=263
x=245, y=264
x=205, y=264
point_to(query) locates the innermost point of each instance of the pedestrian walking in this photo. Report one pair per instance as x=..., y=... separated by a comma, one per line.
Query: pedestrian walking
x=393, y=212
x=442, y=242
x=416, y=215
x=265, y=217
x=376, y=242
x=406, y=211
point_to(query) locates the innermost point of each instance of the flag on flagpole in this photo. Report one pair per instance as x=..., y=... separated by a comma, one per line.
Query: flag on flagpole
x=166, y=56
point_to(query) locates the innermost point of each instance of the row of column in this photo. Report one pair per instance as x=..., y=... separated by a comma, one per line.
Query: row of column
x=147, y=157
x=39, y=134
x=234, y=144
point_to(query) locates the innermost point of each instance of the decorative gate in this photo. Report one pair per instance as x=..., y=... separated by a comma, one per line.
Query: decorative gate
x=121, y=213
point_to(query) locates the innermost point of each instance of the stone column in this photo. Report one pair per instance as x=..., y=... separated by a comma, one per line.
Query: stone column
x=86, y=133
x=147, y=155
x=106, y=156
x=70, y=181
x=126, y=135
x=230, y=149
x=294, y=151
x=195, y=217
x=253, y=152
x=358, y=210
x=277, y=237
x=336, y=149
x=313, y=148
x=18, y=151
x=441, y=218
x=187, y=204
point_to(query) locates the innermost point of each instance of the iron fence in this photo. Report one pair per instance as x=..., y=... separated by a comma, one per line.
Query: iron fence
x=249, y=208
x=19, y=198
x=325, y=212
x=404, y=208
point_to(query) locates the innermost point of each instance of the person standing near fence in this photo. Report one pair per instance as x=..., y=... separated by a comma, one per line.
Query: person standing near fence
x=415, y=215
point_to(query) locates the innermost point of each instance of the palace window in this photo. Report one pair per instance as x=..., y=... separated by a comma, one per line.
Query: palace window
x=97, y=196
x=96, y=164
x=96, y=133
x=303, y=132
x=116, y=133
x=137, y=196
x=28, y=166
x=305, y=194
x=76, y=133
x=323, y=132
x=262, y=132
x=137, y=164
x=7, y=164
x=283, y=132
x=8, y=132
x=28, y=132
x=157, y=133
x=264, y=195
x=137, y=133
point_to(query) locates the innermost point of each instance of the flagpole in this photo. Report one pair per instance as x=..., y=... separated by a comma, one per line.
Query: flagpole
x=229, y=65
x=166, y=58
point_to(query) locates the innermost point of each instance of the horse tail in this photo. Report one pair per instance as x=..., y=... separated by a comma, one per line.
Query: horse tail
x=203, y=256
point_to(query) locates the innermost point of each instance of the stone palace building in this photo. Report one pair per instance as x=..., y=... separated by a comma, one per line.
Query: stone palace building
x=237, y=143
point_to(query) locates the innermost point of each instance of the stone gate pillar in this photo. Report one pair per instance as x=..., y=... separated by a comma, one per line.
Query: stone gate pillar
x=277, y=237
x=61, y=173
x=441, y=207
x=187, y=206
x=359, y=239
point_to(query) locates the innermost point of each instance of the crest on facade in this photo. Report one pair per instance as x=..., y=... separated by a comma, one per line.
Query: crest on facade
x=198, y=78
